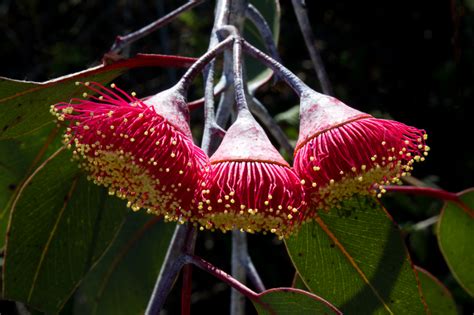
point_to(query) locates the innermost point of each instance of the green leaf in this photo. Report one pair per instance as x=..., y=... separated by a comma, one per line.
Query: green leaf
x=257, y=73
x=123, y=280
x=24, y=106
x=60, y=226
x=438, y=299
x=356, y=259
x=19, y=157
x=298, y=283
x=455, y=238
x=282, y=301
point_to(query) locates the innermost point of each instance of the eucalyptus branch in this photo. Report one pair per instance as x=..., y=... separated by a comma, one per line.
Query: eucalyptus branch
x=240, y=97
x=260, y=111
x=264, y=29
x=306, y=30
x=211, y=127
x=289, y=77
x=222, y=275
x=239, y=252
x=172, y=264
x=252, y=273
x=217, y=90
x=187, y=79
x=190, y=244
x=432, y=192
x=125, y=40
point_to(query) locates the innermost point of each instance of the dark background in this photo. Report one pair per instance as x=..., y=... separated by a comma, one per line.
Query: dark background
x=408, y=60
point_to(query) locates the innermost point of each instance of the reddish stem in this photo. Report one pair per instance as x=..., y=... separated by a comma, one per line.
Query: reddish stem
x=432, y=192
x=186, y=290
x=222, y=275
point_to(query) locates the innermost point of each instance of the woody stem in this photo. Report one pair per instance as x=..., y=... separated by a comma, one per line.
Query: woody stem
x=187, y=79
x=123, y=41
x=289, y=77
x=432, y=192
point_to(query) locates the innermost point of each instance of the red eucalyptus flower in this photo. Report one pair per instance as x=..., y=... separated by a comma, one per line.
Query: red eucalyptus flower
x=141, y=150
x=249, y=185
x=342, y=151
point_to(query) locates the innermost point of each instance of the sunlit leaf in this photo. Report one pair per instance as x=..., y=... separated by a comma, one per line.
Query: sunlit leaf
x=355, y=258
x=24, y=105
x=456, y=239
x=123, y=280
x=289, y=301
x=438, y=299
x=60, y=226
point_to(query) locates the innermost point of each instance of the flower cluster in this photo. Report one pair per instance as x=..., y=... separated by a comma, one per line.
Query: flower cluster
x=128, y=146
x=142, y=151
x=342, y=151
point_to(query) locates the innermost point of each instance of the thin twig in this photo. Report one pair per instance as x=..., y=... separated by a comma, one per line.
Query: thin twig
x=125, y=40
x=289, y=77
x=260, y=111
x=239, y=252
x=424, y=224
x=189, y=245
x=186, y=80
x=253, y=274
x=306, y=30
x=222, y=275
x=265, y=31
x=169, y=270
x=186, y=290
x=432, y=192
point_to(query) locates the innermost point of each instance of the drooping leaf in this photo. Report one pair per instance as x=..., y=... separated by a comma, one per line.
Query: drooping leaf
x=289, y=301
x=438, y=299
x=456, y=239
x=24, y=105
x=355, y=258
x=257, y=73
x=18, y=158
x=60, y=226
x=123, y=280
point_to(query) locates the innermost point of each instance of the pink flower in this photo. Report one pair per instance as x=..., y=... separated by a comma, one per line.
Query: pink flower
x=142, y=151
x=249, y=186
x=341, y=151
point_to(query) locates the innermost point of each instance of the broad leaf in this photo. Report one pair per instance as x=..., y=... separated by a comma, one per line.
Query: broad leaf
x=123, y=280
x=60, y=226
x=356, y=259
x=438, y=299
x=19, y=157
x=456, y=239
x=257, y=73
x=289, y=301
x=24, y=105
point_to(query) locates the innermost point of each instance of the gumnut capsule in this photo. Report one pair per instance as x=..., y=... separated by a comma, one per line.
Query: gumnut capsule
x=249, y=186
x=142, y=151
x=342, y=151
